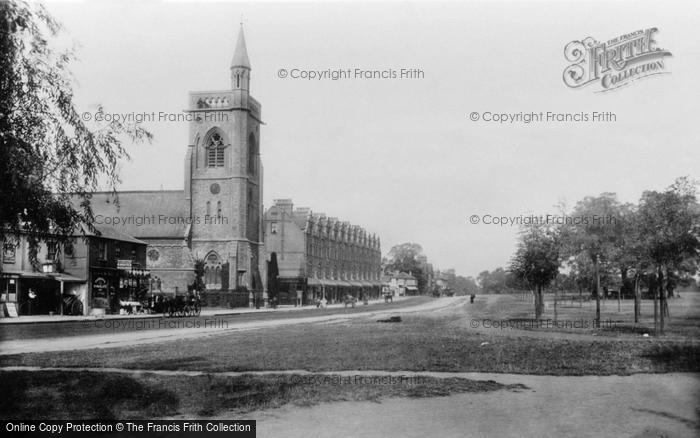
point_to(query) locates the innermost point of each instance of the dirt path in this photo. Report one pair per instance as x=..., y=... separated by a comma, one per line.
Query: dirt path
x=112, y=340
x=643, y=405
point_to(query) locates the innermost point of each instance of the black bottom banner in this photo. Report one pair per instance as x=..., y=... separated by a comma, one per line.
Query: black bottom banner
x=128, y=428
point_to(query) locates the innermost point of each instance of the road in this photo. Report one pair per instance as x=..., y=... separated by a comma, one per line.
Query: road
x=93, y=333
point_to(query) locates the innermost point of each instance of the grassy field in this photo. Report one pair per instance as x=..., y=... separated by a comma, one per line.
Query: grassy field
x=683, y=323
x=437, y=342
x=74, y=395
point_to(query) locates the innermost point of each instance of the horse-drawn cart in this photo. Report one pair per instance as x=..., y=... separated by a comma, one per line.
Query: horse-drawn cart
x=183, y=305
x=175, y=305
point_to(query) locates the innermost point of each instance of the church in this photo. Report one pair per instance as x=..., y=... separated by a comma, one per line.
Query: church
x=217, y=216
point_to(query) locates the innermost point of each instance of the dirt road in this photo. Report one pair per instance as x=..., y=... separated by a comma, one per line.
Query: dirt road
x=183, y=331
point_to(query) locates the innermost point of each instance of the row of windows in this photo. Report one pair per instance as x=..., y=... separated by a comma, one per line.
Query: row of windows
x=335, y=251
x=10, y=250
x=337, y=232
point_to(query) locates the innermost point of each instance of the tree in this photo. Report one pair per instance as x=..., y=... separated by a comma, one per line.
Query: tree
x=465, y=285
x=273, y=273
x=48, y=154
x=198, y=284
x=595, y=232
x=669, y=225
x=536, y=260
x=495, y=281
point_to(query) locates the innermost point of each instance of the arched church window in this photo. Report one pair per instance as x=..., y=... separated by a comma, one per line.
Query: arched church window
x=252, y=154
x=212, y=272
x=218, y=209
x=215, y=151
x=208, y=208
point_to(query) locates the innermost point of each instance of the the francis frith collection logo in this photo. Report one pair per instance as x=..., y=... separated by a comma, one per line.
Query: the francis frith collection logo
x=614, y=63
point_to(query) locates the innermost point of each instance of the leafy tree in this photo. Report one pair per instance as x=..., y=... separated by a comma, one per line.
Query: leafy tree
x=596, y=233
x=465, y=285
x=495, y=282
x=536, y=260
x=669, y=225
x=198, y=283
x=48, y=154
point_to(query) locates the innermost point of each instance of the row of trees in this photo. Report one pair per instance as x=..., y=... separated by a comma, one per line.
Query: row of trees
x=654, y=243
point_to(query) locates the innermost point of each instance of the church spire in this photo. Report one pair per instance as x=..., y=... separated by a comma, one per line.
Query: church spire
x=240, y=55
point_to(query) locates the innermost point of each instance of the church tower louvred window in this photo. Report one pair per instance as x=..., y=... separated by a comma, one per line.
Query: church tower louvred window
x=215, y=151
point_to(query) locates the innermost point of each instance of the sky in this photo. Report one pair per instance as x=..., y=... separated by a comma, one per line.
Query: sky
x=401, y=157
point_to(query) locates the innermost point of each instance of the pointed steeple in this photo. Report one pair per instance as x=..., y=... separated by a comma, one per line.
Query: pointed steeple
x=240, y=55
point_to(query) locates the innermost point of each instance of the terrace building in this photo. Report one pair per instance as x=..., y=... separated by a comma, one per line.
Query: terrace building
x=321, y=257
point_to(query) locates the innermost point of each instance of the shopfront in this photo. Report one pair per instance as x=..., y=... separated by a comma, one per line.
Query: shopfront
x=115, y=290
x=37, y=293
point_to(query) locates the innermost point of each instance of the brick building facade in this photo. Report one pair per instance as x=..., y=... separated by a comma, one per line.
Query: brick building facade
x=319, y=256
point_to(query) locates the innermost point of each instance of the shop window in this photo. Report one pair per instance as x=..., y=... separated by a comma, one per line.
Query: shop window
x=102, y=250
x=8, y=253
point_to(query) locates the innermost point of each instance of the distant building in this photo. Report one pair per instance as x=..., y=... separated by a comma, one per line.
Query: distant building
x=321, y=257
x=401, y=284
x=101, y=270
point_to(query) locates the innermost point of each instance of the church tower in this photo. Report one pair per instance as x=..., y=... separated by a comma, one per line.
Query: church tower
x=223, y=181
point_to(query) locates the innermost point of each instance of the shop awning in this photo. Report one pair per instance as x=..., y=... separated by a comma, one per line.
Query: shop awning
x=47, y=276
x=411, y=288
x=314, y=282
x=67, y=278
x=25, y=274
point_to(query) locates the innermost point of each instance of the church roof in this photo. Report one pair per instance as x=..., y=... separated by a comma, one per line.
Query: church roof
x=154, y=214
x=240, y=55
x=108, y=232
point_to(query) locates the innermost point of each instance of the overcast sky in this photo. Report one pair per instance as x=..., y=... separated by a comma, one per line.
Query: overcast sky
x=401, y=157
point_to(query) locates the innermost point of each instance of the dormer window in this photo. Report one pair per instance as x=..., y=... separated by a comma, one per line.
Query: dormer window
x=215, y=151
